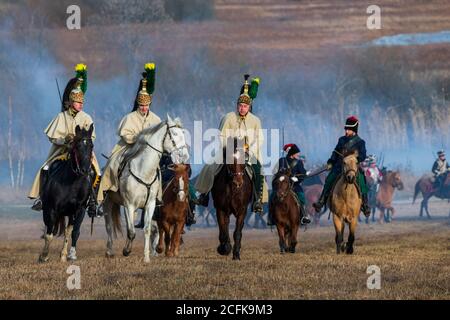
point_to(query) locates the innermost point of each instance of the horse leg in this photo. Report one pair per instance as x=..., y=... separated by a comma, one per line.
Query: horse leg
x=351, y=237
x=166, y=228
x=237, y=235
x=159, y=248
x=293, y=238
x=49, y=220
x=148, y=227
x=76, y=234
x=381, y=218
x=422, y=207
x=223, y=220
x=176, y=239
x=374, y=210
x=339, y=228
x=67, y=233
x=426, y=209
x=154, y=238
x=109, y=229
x=281, y=238
x=131, y=234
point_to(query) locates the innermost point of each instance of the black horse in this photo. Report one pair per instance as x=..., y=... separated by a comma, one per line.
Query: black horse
x=65, y=193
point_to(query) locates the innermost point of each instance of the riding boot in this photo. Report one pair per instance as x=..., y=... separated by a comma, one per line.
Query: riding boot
x=365, y=205
x=37, y=205
x=304, y=216
x=270, y=221
x=190, y=217
x=92, y=202
x=141, y=223
x=202, y=200
x=322, y=200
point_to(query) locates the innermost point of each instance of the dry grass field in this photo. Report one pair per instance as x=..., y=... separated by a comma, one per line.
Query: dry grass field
x=413, y=256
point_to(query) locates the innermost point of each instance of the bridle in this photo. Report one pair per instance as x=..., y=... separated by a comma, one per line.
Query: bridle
x=282, y=195
x=74, y=152
x=168, y=133
x=160, y=153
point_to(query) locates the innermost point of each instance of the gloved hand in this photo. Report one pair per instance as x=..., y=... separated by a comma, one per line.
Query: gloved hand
x=69, y=138
x=329, y=166
x=294, y=179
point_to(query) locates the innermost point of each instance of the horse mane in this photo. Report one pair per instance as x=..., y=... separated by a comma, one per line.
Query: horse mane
x=141, y=141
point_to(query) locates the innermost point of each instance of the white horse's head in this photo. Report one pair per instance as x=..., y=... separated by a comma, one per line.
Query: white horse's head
x=176, y=144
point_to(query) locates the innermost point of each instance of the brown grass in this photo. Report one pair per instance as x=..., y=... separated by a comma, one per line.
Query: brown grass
x=413, y=257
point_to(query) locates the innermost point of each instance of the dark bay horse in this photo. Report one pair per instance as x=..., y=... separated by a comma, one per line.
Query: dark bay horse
x=425, y=186
x=174, y=211
x=66, y=192
x=232, y=193
x=284, y=209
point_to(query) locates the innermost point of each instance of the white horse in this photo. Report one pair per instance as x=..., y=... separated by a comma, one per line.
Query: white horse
x=139, y=182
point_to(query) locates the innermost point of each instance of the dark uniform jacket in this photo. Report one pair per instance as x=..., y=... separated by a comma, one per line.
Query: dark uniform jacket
x=297, y=169
x=344, y=146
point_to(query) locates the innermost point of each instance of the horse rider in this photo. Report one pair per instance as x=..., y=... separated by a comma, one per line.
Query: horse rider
x=61, y=132
x=130, y=126
x=348, y=143
x=373, y=171
x=440, y=169
x=242, y=124
x=294, y=164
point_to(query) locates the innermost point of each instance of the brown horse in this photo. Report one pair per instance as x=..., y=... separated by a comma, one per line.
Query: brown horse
x=391, y=180
x=284, y=209
x=174, y=211
x=345, y=204
x=232, y=193
x=425, y=186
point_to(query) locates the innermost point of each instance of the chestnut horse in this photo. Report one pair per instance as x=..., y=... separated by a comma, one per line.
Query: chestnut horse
x=284, y=209
x=232, y=193
x=391, y=180
x=425, y=186
x=174, y=211
x=345, y=203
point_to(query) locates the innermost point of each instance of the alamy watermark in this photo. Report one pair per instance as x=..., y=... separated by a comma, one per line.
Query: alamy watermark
x=374, y=280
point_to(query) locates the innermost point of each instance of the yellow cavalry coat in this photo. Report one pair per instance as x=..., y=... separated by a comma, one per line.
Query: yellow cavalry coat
x=233, y=125
x=58, y=129
x=129, y=128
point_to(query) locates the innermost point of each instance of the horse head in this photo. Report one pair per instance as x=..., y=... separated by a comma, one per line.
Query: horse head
x=282, y=184
x=81, y=150
x=235, y=161
x=180, y=180
x=396, y=180
x=175, y=141
x=350, y=167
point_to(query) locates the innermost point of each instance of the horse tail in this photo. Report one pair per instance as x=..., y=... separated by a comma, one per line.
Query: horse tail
x=416, y=190
x=115, y=215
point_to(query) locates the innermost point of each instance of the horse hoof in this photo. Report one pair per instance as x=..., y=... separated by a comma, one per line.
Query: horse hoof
x=109, y=255
x=169, y=254
x=43, y=259
x=159, y=249
x=126, y=252
x=224, y=250
x=349, y=250
x=292, y=250
x=147, y=259
x=236, y=257
x=63, y=259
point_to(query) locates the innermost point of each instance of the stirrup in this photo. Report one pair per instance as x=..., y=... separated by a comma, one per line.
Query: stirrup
x=37, y=205
x=305, y=220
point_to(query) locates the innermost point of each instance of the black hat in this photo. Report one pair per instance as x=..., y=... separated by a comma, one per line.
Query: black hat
x=352, y=124
x=291, y=149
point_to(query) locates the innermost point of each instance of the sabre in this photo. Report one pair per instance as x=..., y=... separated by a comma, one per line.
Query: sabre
x=59, y=92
